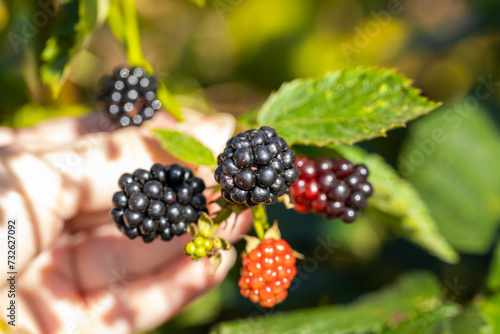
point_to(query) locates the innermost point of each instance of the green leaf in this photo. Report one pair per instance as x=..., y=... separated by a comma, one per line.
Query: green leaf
x=30, y=114
x=60, y=47
x=449, y=158
x=185, y=147
x=248, y=119
x=205, y=225
x=493, y=280
x=222, y=215
x=343, y=106
x=413, y=293
x=75, y=22
x=426, y=323
x=491, y=311
x=222, y=244
x=395, y=202
x=470, y=321
x=92, y=14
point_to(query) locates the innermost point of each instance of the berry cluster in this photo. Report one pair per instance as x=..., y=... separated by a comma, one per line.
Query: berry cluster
x=160, y=202
x=334, y=188
x=129, y=96
x=256, y=167
x=267, y=272
x=199, y=247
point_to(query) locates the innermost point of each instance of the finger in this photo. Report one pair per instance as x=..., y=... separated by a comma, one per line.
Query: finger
x=55, y=131
x=51, y=303
x=169, y=290
x=47, y=299
x=43, y=188
x=101, y=250
x=66, y=129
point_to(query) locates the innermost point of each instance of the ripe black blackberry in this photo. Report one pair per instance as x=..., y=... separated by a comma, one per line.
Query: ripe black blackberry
x=129, y=96
x=334, y=188
x=159, y=202
x=256, y=167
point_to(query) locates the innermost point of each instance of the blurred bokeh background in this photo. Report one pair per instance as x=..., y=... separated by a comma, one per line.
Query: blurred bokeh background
x=228, y=55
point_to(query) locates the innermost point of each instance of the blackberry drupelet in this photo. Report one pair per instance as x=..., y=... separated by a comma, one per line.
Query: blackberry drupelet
x=129, y=96
x=256, y=167
x=334, y=188
x=160, y=202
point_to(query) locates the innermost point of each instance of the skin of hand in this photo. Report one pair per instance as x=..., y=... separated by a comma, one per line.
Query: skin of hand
x=77, y=273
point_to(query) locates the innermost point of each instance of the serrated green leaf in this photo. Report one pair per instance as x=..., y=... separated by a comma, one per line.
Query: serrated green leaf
x=185, y=147
x=413, y=293
x=427, y=322
x=493, y=280
x=448, y=157
x=395, y=202
x=75, y=22
x=343, y=106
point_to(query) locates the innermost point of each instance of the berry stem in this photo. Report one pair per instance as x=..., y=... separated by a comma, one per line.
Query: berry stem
x=132, y=36
x=222, y=215
x=260, y=221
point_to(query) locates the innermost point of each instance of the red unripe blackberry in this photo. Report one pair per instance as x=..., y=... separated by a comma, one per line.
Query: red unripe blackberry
x=334, y=188
x=267, y=272
x=129, y=96
x=158, y=203
x=256, y=167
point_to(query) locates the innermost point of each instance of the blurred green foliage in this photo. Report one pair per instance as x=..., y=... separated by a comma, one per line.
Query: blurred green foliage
x=228, y=55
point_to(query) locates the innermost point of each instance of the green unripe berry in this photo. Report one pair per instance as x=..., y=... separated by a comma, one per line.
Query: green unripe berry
x=199, y=241
x=208, y=244
x=190, y=248
x=200, y=252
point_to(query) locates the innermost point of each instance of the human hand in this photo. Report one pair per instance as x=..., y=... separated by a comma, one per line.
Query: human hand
x=77, y=272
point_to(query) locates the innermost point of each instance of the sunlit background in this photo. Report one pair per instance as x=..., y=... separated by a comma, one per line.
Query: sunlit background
x=228, y=56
